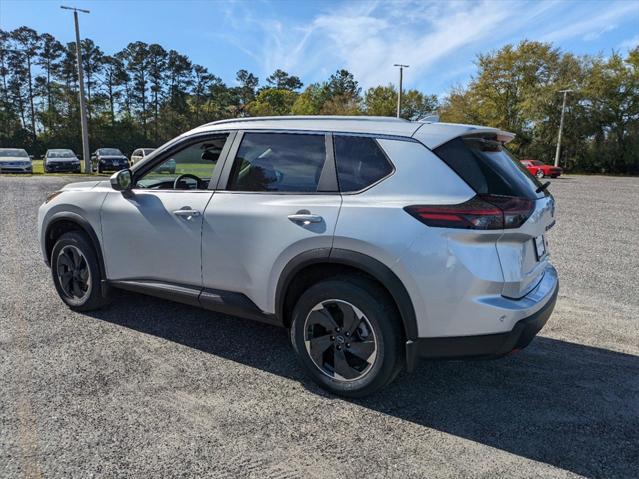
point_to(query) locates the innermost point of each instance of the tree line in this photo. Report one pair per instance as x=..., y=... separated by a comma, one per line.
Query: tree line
x=145, y=95
x=517, y=89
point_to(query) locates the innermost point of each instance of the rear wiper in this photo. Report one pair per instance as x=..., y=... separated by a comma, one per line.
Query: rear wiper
x=542, y=187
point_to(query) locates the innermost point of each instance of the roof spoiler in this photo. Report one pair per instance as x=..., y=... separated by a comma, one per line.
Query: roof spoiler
x=502, y=136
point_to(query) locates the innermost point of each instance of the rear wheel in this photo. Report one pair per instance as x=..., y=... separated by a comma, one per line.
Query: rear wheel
x=539, y=174
x=76, y=273
x=346, y=333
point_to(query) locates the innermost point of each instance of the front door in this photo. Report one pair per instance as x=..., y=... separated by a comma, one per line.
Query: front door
x=154, y=231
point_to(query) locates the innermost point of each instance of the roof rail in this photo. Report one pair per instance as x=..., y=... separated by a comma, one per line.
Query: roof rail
x=309, y=117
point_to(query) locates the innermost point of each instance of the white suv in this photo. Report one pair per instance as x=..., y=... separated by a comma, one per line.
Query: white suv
x=374, y=240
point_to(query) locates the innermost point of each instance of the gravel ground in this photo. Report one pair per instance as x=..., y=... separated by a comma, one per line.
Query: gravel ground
x=148, y=388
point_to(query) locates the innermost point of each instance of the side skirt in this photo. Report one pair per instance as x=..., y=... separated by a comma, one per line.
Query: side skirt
x=224, y=302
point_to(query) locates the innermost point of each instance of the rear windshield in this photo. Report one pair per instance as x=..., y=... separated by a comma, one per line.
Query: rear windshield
x=488, y=167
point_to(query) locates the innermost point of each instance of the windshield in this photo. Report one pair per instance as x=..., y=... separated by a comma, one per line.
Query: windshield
x=13, y=152
x=109, y=151
x=60, y=154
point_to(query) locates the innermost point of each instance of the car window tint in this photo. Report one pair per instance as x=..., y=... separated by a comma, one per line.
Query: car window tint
x=199, y=159
x=283, y=162
x=360, y=162
x=487, y=166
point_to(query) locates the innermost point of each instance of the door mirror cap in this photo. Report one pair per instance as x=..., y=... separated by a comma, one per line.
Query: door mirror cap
x=122, y=180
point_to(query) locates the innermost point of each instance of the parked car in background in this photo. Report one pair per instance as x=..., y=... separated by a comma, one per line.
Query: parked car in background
x=167, y=167
x=542, y=170
x=108, y=159
x=373, y=240
x=61, y=160
x=140, y=154
x=15, y=160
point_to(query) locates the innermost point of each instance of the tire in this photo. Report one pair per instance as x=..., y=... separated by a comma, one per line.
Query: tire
x=70, y=245
x=380, y=322
x=539, y=174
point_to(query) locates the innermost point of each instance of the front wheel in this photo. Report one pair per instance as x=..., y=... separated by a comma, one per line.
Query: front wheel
x=76, y=273
x=346, y=332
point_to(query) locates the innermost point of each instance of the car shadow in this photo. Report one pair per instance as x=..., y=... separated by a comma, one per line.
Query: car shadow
x=572, y=406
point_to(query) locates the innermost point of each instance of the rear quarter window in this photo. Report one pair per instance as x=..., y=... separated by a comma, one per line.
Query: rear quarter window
x=360, y=162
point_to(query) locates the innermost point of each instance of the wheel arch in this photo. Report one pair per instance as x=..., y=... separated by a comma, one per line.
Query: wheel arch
x=338, y=260
x=65, y=221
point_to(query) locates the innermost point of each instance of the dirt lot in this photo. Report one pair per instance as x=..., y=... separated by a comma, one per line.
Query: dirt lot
x=148, y=388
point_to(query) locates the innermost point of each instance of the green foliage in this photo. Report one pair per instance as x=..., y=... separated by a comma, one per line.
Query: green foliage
x=145, y=95
x=272, y=102
x=517, y=89
x=382, y=101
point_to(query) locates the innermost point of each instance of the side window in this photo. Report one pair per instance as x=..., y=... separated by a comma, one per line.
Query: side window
x=282, y=162
x=360, y=162
x=198, y=160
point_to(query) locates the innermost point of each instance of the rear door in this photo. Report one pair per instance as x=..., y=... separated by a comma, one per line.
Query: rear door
x=277, y=198
x=487, y=166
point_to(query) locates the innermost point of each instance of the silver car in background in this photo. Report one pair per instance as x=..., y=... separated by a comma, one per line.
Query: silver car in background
x=375, y=241
x=15, y=160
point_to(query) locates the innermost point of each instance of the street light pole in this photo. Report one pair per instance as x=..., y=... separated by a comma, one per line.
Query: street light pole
x=83, y=111
x=561, y=125
x=399, y=93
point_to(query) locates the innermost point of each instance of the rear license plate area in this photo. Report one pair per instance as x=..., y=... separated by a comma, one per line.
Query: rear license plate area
x=540, y=247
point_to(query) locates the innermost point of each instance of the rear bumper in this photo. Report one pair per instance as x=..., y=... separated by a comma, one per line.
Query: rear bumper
x=485, y=346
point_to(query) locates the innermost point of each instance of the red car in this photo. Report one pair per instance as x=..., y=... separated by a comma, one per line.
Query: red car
x=541, y=170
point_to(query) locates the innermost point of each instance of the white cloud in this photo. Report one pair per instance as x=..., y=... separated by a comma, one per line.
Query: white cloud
x=595, y=21
x=435, y=38
x=630, y=43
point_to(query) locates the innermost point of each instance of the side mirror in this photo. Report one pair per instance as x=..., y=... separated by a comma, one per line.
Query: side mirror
x=122, y=180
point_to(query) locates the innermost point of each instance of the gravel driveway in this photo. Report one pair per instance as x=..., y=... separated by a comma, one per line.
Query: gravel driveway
x=148, y=388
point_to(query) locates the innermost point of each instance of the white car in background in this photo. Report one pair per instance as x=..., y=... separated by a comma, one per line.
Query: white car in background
x=375, y=241
x=139, y=154
x=15, y=160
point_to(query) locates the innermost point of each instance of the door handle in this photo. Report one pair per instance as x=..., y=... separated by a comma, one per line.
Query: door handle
x=187, y=213
x=305, y=218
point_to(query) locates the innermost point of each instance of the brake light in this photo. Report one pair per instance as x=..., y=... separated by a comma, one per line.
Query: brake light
x=483, y=212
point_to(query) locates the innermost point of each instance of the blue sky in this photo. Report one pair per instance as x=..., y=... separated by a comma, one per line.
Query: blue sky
x=312, y=39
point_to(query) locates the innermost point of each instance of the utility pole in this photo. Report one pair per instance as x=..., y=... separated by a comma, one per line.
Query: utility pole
x=561, y=125
x=88, y=169
x=399, y=93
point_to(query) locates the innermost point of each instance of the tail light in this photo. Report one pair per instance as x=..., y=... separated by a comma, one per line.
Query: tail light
x=483, y=212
